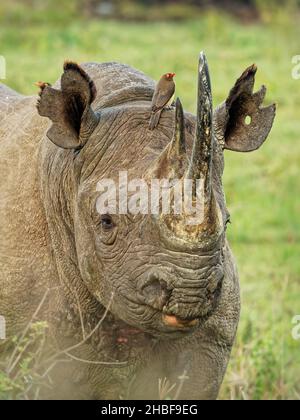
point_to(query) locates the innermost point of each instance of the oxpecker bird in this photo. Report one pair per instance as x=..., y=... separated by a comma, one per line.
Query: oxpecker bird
x=163, y=96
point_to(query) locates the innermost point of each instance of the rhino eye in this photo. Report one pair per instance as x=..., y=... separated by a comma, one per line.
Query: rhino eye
x=107, y=222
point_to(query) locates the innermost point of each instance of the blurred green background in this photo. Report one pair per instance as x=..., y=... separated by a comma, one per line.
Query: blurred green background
x=262, y=188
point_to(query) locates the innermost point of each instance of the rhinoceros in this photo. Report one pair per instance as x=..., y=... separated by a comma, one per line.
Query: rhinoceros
x=137, y=305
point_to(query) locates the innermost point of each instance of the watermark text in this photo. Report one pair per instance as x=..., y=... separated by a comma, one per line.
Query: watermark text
x=2, y=328
x=296, y=68
x=158, y=196
x=2, y=67
x=296, y=329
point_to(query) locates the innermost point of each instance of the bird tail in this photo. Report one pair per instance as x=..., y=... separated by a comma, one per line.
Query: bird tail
x=154, y=119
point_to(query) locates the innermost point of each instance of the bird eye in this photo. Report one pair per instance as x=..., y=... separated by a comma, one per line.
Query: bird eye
x=107, y=222
x=228, y=221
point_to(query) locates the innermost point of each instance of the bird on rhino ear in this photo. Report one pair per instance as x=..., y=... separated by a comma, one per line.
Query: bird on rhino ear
x=240, y=123
x=69, y=109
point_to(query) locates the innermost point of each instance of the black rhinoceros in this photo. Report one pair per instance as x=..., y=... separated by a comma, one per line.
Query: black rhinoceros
x=133, y=301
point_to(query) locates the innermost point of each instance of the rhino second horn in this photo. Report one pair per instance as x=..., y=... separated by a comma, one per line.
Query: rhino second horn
x=172, y=162
x=177, y=148
x=178, y=141
x=200, y=165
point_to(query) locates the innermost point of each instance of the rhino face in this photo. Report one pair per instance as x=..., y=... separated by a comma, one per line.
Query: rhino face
x=162, y=282
x=155, y=271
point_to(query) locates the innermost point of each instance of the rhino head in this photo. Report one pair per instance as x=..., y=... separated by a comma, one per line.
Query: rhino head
x=165, y=275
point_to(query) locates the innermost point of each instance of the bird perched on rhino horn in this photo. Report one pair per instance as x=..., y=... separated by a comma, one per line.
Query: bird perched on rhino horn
x=163, y=96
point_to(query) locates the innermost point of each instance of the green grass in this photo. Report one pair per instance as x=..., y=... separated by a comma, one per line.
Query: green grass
x=262, y=188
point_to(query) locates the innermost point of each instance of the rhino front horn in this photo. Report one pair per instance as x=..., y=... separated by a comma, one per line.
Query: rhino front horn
x=201, y=159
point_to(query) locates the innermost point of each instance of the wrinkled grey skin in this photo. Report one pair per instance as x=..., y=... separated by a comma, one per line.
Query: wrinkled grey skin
x=51, y=237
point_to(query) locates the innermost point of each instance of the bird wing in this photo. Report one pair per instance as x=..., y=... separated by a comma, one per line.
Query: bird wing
x=161, y=98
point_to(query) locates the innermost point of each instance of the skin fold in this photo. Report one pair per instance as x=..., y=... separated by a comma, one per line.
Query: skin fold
x=117, y=282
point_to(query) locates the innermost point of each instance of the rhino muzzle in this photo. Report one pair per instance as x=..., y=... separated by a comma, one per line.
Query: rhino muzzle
x=181, y=301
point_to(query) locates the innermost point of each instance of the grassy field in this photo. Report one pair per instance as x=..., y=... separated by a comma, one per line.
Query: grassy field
x=262, y=188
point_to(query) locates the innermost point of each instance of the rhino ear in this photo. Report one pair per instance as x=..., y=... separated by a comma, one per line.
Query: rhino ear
x=240, y=123
x=69, y=109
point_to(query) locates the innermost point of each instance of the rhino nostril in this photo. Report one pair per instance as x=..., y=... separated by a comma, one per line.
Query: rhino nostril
x=154, y=285
x=155, y=290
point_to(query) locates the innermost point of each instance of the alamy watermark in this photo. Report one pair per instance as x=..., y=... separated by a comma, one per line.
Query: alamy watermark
x=159, y=196
x=2, y=67
x=2, y=328
x=296, y=328
x=296, y=68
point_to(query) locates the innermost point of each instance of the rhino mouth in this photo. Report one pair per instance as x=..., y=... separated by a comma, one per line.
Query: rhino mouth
x=171, y=326
x=160, y=321
x=177, y=322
